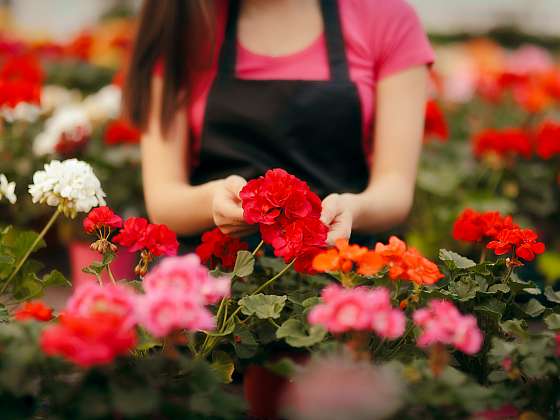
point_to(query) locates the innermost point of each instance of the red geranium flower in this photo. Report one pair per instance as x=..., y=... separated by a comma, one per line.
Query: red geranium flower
x=523, y=240
x=548, y=140
x=88, y=341
x=435, y=123
x=132, y=233
x=217, y=247
x=121, y=132
x=22, y=67
x=472, y=226
x=101, y=217
x=36, y=310
x=160, y=240
x=507, y=142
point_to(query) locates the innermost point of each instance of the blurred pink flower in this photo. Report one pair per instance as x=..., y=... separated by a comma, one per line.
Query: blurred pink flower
x=368, y=393
x=441, y=322
x=163, y=311
x=91, y=298
x=358, y=309
x=529, y=59
x=187, y=275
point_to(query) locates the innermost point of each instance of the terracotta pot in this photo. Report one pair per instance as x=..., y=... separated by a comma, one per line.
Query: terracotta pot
x=264, y=389
x=81, y=256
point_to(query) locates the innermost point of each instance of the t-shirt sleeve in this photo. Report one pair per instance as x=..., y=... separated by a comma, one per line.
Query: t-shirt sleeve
x=399, y=39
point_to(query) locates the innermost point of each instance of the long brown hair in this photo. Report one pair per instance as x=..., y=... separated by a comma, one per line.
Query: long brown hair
x=180, y=35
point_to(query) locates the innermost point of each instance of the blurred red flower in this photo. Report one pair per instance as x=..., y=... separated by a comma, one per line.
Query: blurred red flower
x=548, y=140
x=435, y=124
x=86, y=341
x=36, y=310
x=506, y=142
x=121, y=132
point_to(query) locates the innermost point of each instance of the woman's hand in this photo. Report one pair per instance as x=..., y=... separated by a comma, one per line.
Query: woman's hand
x=226, y=207
x=338, y=214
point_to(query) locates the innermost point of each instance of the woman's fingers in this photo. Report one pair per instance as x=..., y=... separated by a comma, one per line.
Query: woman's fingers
x=337, y=217
x=234, y=184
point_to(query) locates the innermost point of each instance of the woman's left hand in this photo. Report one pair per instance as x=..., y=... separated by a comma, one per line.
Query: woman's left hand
x=338, y=214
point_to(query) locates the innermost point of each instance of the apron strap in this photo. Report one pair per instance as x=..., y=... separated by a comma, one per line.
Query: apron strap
x=336, y=51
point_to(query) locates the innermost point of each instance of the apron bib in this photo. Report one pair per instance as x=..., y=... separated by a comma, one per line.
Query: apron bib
x=312, y=129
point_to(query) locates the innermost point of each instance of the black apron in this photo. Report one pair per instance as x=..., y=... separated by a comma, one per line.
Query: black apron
x=310, y=128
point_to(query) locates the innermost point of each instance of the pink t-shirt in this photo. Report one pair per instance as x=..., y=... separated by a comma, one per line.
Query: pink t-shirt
x=382, y=37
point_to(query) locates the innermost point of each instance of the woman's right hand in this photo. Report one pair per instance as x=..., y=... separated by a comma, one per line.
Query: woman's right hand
x=226, y=208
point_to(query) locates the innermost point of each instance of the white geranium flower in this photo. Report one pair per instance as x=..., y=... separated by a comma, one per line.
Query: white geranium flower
x=69, y=124
x=7, y=189
x=70, y=185
x=54, y=97
x=104, y=105
x=21, y=112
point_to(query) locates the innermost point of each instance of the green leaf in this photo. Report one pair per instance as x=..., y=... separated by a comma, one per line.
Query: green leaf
x=533, y=308
x=532, y=290
x=284, y=367
x=21, y=241
x=295, y=334
x=516, y=327
x=553, y=321
x=223, y=365
x=55, y=278
x=499, y=287
x=551, y=295
x=454, y=260
x=229, y=329
x=263, y=306
x=134, y=399
x=310, y=302
x=244, y=264
x=492, y=307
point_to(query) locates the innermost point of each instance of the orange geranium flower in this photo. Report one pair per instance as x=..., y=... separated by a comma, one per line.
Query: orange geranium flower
x=371, y=263
x=419, y=269
x=341, y=258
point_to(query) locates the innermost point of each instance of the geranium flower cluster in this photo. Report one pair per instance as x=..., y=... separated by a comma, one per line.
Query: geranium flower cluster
x=441, y=322
x=358, y=309
x=121, y=132
x=505, y=236
x=287, y=213
x=136, y=233
x=21, y=78
x=543, y=142
x=219, y=248
x=435, y=125
x=404, y=263
x=99, y=322
x=7, y=189
x=69, y=185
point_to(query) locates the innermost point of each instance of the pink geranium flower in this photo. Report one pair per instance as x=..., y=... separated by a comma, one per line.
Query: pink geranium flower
x=441, y=322
x=163, y=311
x=358, y=309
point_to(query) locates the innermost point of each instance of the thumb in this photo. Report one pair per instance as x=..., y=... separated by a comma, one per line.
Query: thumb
x=330, y=209
x=234, y=184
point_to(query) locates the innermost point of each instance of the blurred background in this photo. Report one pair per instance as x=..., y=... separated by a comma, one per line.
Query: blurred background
x=492, y=124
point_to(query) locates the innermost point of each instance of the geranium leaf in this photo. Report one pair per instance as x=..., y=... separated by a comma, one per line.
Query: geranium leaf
x=499, y=287
x=295, y=334
x=514, y=327
x=492, y=307
x=454, y=260
x=551, y=295
x=553, y=321
x=4, y=314
x=532, y=290
x=533, y=308
x=244, y=264
x=223, y=365
x=55, y=278
x=263, y=306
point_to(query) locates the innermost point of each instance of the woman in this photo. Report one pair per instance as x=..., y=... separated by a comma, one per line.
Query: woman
x=331, y=91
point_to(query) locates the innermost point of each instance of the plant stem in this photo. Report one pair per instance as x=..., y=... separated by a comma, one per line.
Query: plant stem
x=209, y=341
x=257, y=249
x=31, y=248
x=111, y=276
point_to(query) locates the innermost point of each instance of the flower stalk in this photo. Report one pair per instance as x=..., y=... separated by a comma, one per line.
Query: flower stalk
x=38, y=239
